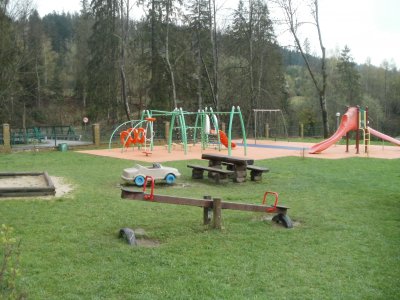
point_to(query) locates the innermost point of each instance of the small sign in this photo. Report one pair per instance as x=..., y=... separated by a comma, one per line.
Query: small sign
x=85, y=120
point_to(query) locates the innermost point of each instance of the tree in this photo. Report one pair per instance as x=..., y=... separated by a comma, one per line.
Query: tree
x=198, y=23
x=253, y=28
x=125, y=9
x=214, y=47
x=251, y=65
x=103, y=69
x=8, y=61
x=319, y=78
x=82, y=33
x=36, y=54
x=350, y=88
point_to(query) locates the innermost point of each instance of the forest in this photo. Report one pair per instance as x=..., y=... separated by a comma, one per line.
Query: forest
x=103, y=64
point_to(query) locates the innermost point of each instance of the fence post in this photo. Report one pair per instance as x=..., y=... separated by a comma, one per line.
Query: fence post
x=6, y=138
x=217, y=208
x=301, y=130
x=96, y=134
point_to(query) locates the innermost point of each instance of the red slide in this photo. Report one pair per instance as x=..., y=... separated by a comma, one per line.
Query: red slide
x=383, y=136
x=224, y=139
x=348, y=123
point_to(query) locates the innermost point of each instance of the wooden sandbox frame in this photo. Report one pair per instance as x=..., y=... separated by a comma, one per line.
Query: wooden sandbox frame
x=26, y=191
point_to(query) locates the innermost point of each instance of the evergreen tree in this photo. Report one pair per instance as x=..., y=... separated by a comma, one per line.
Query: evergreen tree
x=8, y=60
x=257, y=58
x=102, y=68
x=350, y=88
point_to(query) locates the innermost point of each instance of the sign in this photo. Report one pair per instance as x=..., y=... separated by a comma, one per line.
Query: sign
x=85, y=120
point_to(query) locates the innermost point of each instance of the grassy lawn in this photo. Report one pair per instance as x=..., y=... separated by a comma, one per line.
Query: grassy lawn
x=345, y=243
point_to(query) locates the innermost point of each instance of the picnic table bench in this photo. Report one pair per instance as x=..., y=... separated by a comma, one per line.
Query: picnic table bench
x=218, y=174
x=256, y=172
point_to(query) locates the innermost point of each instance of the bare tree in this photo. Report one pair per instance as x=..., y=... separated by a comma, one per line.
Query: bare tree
x=171, y=71
x=319, y=80
x=125, y=34
x=214, y=45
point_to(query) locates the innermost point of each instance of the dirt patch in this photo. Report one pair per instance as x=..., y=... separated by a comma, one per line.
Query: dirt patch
x=62, y=187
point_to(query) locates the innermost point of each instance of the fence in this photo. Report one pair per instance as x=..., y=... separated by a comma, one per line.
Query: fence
x=51, y=136
x=43, y=137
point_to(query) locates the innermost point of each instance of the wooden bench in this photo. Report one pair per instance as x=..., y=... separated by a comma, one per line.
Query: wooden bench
x=256, y=172
x=216, y=173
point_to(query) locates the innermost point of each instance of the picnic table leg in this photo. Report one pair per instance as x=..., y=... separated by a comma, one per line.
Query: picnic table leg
x=214, y=164
x=197, y=173
x=256, y=175
x=240, y=173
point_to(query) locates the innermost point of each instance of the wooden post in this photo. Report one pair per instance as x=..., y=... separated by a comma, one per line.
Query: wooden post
x=223, y=126
x=302, y=130
x=217, y=209
x=267, y=131
x=6, y=138
x=96, y=134
x=207, y=212
x=167, y=127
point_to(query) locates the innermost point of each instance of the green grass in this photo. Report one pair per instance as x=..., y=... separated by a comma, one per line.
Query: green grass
x=345, y=244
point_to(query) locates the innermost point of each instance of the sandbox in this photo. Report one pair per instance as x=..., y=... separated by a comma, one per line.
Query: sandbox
x=22, y=184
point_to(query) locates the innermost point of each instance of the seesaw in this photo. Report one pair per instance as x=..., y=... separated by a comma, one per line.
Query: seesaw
x=212, y=207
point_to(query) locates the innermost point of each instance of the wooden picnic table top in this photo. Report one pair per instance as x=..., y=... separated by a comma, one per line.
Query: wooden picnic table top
x=226, y=158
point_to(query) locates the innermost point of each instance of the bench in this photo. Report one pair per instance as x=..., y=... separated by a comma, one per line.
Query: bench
x=256, y=172
x=216, y=173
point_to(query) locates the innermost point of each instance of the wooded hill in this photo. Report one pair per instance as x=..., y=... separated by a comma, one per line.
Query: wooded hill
x=102, y=64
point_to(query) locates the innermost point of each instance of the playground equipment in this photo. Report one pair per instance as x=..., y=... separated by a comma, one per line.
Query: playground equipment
x=272, y=117
x=355, y=119
x=136, y=134
x=214, y=136
x=206, y=126
x=138, y=174
x=211, y=205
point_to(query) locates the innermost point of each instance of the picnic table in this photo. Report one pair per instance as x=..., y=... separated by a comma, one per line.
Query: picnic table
x=236, y=164
x=236, y=168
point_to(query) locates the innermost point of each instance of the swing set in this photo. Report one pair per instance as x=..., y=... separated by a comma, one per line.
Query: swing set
x=272, y=118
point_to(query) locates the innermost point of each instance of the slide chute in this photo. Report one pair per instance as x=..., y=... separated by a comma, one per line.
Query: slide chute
x=224, y=139
x=348, y=123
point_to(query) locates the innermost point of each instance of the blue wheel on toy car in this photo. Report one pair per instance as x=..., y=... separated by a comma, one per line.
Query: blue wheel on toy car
x=170, y=178
x=139, y=180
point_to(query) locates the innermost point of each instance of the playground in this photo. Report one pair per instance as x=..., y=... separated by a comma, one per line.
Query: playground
x=262, y=150
x=344, y=214
x=205, y=136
